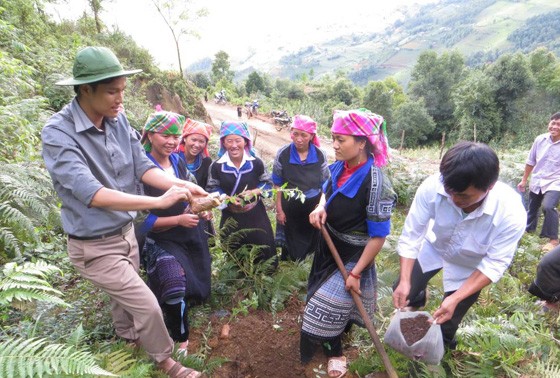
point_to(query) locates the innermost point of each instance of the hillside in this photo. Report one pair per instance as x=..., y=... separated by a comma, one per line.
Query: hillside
x=480, y=29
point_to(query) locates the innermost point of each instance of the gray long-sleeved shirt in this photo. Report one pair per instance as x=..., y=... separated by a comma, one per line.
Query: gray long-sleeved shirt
x=82, y=159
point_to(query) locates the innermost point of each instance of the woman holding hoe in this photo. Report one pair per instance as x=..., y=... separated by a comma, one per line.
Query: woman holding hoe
x=355, y=210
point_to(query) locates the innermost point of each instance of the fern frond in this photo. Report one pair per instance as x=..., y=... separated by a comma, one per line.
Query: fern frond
x=548, y=369
x=27, y=202
x=26, y=283
x=120, y=361
x=38, y=268
x=38, y=357
x=9, y=241
x=77, y=337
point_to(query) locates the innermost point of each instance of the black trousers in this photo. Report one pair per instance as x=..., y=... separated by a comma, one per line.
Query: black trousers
x=549, y=202
x=417, y=298
x=547, y=282
x=177, y=321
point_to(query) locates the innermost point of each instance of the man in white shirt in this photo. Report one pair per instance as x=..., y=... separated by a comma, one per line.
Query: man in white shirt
x=544, y=188
x=464, y=221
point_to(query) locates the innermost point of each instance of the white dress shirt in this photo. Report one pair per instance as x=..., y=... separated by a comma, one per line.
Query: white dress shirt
x=439, y=235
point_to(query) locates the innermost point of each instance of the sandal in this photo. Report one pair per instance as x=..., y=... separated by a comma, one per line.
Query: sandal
x=180, y=371
x=337, y=364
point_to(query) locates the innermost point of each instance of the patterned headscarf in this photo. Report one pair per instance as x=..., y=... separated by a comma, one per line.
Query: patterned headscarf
x=362, y=122
x=196, y=127
x=307, y=124
x=162, y=122
x=235, y=128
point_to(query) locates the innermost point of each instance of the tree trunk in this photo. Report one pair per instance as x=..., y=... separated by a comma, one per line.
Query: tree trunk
x=442, y=144
x=179, y=57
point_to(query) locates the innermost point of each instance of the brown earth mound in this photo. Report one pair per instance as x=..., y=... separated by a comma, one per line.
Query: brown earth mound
x=261, y=345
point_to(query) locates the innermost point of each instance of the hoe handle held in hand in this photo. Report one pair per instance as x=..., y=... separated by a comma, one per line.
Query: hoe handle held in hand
x=359, y=304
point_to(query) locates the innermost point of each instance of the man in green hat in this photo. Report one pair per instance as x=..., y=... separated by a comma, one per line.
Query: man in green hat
x=95, y=160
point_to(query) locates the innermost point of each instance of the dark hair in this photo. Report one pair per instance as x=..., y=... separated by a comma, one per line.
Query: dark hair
x=469, y=163
x=555, y=116
x=369, y=147
x=95, y=84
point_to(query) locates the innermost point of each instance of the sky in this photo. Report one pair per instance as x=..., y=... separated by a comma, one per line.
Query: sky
x=240, y=27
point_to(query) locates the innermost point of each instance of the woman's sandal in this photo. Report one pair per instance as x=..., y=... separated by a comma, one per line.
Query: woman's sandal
x=337, y=364
x=180, y=371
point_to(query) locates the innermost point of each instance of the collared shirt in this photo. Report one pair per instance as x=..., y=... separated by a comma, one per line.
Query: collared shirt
x=545, y=159
x=486, y=239
x=82, y=159
x=227, y=160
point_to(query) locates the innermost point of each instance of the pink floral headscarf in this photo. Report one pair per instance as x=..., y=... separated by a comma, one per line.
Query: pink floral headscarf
x=362, y=122
x=307, y=124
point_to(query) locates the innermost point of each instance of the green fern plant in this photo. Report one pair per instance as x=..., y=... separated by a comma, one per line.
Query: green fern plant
x=39, y=358
x=28, y=204
x=238, y=276
x=27, y=282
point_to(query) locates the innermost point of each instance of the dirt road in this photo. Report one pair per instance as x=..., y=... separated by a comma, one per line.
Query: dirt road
x=267, y=140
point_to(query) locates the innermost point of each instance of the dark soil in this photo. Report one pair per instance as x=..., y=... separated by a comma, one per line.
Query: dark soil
x=261, y=345
x=414, y=329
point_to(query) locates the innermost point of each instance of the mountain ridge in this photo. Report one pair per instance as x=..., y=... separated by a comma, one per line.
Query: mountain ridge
x=478, y=29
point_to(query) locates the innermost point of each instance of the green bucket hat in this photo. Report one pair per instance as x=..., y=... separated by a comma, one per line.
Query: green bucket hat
x=93, y=64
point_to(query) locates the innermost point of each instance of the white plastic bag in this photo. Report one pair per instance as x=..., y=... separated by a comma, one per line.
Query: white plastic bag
x=428, y=349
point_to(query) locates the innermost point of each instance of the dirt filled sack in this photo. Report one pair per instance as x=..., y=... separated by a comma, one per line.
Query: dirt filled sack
x=412, y=334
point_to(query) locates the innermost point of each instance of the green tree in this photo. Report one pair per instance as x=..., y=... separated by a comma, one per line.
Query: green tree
x=180, y=19
x=343, y=90
x=254, y=83
x=287, y=89
x=512, y=80
x=412, y=119
x=96, y=7
x=221, y=67
x=433, y=79
x=379, y=99
x=542, y=64
x=200, y=79
x=476, y=110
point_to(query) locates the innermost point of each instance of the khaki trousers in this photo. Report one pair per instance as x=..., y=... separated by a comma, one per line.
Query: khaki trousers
x=112, y=265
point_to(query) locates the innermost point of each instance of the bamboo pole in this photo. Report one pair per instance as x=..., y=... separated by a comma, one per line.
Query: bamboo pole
x=362, y=310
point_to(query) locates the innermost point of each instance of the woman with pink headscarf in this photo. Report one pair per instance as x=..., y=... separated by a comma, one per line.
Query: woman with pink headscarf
x=194, y=149
x=355, y=209
x=302, y=165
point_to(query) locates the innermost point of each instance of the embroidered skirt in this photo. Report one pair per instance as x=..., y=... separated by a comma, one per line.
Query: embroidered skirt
x=331, y=308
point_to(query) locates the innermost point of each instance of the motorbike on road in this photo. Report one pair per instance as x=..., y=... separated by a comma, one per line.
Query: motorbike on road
x=281, y=119
x=220, y=97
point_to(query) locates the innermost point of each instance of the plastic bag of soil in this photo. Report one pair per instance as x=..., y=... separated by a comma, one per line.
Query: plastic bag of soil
x=412, y=334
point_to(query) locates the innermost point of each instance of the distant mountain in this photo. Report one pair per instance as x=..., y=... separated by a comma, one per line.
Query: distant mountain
x=480, y=29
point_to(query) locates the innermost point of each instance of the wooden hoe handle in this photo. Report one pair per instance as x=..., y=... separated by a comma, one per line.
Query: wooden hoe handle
x=360, y=305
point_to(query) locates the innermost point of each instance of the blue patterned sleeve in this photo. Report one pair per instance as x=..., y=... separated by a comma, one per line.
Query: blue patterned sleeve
x=382, y=200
